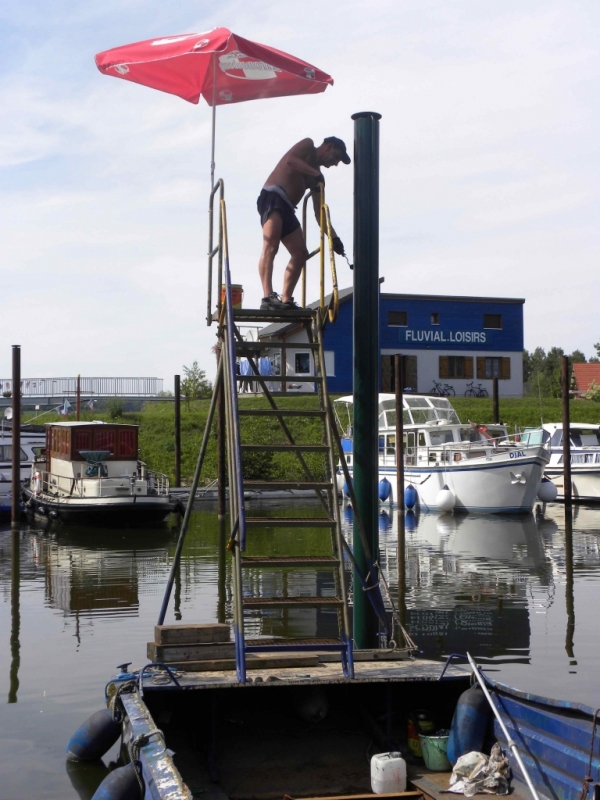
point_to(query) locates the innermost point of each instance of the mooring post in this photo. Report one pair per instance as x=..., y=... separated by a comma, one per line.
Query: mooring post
x=495, y=402
x=366, y=363
x=15, y=511
x=78, y=400
x=15, y=615
x=566, y=425
x=399, y=386
x=178, y=430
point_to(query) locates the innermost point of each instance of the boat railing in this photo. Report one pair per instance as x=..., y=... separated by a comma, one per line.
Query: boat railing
x=452, y=452
x=52, y=483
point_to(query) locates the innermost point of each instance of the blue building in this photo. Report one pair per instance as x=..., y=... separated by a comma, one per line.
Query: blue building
x=452, y=340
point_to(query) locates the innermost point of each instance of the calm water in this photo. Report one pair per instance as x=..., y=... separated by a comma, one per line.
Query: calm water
x=86, y=601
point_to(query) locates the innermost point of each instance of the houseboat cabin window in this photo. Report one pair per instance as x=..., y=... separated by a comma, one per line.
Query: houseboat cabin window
x=421, y=439
x=6, y=453
x=456, y=367
x=440, y=437
x=435, y=318
x=302, y=363
x=105, y=440
x=82, y=439
x=489, y=367
x=391, y=445
x=585, y=438
x=398, y=318
x=127, y=443
x=493, y=321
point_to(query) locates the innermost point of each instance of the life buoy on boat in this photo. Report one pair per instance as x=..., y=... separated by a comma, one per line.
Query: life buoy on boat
x=94, y=738
x=36, y=483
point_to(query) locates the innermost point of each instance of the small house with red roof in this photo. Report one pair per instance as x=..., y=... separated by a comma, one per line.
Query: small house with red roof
x=583, y=377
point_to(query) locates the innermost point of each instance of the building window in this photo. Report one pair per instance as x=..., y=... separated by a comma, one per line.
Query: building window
x=302, y=363
x=456, y=367
x=489, y=367
x=492, y=321
x=330, y=363
x=435, y=318
x=398, y=318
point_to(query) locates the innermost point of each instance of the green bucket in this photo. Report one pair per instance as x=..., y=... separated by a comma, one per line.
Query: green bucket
x=434, y=752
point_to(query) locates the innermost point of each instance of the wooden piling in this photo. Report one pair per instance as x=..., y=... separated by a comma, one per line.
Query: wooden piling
x=495, y=401
x=15, y=616
x=78, y=400
x=399, y=388
x=566, y=425
x=16, y=436
x=569, y=583
x=177, y=430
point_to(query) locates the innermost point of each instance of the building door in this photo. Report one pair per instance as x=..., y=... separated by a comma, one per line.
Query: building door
x=388, y=373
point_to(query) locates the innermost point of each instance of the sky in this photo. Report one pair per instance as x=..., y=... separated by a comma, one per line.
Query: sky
x=489, y=168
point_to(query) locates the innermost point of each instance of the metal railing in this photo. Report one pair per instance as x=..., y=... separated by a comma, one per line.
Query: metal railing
x=51, y=483
x=325, y=229
x=50, y=387
x=214, y=250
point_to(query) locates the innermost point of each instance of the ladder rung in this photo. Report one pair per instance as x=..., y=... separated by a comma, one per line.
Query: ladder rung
x=290, y=561
x=288, y=485
x=283, y=448
x=275, y=412
x=256, y=315
x=294, y=602
x=259, y=346
x=289, y=645
x=280, y=378
x=290, y=522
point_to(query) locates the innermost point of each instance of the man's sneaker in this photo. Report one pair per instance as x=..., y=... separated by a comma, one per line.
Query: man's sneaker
x=290, y=305
x=273, y=303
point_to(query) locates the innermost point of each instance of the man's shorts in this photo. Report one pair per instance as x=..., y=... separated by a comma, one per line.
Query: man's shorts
x=271, y=201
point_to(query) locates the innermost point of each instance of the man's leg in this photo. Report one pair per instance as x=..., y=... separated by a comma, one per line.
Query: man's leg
x=271, y=239
x=294, y=242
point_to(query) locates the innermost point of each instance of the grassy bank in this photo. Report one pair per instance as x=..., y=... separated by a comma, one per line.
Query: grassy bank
x=157, y=441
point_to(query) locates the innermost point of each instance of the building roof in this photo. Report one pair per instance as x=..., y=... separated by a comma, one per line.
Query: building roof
x=279, y=328
x=585, y=375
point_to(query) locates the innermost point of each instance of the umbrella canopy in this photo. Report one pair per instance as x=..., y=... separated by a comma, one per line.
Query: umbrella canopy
x=218, y=65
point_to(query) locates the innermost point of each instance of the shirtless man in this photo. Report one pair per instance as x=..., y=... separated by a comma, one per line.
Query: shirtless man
x=297, y=172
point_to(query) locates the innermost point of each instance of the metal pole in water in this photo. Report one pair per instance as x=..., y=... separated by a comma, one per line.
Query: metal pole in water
x=177, y=430
x=16, y=436
x=495, y=401
x=566, y=426
x=78, y=400
x=366, y=362
x=569, y=582
x=15, y=616
x=399, y=380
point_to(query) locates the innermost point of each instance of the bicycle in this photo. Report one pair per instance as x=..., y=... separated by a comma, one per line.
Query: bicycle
x=442, y=390
x=476, y=391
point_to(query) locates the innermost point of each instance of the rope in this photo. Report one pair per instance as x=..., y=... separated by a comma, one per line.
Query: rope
x=411, y=646
x=135, y=745
x=115, y=706
x=588, y=778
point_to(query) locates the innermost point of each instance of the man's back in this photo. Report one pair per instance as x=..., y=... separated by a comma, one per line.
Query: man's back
x=288, y=173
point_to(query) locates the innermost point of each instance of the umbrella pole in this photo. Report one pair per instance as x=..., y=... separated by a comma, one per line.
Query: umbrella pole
x=214, y=125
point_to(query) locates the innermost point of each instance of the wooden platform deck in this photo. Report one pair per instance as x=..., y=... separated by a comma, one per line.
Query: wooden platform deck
x=434, y=786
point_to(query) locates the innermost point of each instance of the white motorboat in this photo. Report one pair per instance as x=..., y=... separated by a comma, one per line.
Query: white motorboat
x=449, y=464
x=585, y=457
x=32, y=443
x=89, y=472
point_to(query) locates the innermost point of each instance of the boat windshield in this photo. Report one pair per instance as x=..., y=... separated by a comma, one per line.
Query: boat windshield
x=417, y=410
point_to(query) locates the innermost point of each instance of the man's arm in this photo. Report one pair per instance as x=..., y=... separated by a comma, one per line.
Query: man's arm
x=338, y=246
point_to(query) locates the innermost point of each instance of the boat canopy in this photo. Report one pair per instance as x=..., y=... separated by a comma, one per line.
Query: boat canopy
x=418, y=409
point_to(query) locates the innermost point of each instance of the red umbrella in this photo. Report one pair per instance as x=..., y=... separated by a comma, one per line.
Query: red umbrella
x=218, y=65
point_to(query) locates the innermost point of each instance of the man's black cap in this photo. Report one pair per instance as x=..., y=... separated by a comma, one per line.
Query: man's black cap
x=340, y=146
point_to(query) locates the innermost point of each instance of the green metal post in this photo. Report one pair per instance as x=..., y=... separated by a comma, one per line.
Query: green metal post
x=366, y=362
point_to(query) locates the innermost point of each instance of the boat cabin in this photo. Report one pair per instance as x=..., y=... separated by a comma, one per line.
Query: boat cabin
x=92, y=459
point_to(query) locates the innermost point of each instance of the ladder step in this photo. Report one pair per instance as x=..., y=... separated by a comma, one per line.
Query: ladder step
x=290, y=522
x=292, y=602
x=271, y=645
x=290, y=561
x=280, y=378
x=256, y=315
x=283, y=485
x=283, y=448
x=276, y=412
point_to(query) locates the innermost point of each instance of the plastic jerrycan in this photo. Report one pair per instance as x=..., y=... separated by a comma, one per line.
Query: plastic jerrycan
x=388, y=773
x=469, y=724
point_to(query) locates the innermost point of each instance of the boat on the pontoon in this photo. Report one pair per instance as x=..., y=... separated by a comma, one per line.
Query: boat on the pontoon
x=585, y=457
x=449, y=464
x=32, y=443
x=90, y=472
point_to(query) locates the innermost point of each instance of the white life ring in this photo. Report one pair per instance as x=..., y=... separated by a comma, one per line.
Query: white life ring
x=36, y=484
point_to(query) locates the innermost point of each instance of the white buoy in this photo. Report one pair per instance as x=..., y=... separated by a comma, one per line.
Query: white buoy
x=547, y=491
x=445, y=499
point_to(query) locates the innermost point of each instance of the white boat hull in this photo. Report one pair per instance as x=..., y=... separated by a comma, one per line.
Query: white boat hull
x=585, y=482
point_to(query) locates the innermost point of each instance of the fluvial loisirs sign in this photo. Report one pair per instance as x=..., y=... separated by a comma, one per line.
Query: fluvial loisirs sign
x=445, y=337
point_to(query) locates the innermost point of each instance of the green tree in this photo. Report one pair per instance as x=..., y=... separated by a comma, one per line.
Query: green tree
x=195, y=385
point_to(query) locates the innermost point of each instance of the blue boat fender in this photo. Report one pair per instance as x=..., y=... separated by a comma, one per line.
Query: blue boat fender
x=385, y=523
x=120, y=784
x=410, y=521
x=385, y=488
x=94, y=738
x=410, y=496
x=469, y=724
